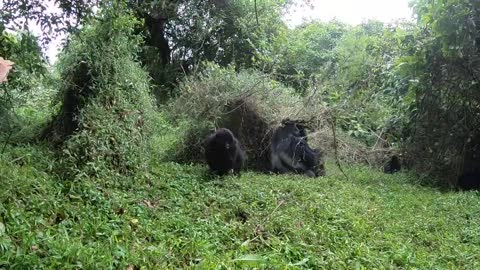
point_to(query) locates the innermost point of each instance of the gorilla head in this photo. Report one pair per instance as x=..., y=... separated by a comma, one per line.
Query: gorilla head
x=223, y=152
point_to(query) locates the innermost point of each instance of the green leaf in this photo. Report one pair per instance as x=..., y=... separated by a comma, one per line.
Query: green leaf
x=250, y=258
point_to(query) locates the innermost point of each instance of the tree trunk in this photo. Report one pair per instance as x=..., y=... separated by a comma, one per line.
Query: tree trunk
x=156, y=28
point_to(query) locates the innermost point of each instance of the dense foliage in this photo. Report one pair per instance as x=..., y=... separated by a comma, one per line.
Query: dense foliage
x=105, y=115
x=384, y=83
x=53, y=17
x=249, y=103
x=444, y=63
x=181, y=35
x=369, y=91
x=27, y=75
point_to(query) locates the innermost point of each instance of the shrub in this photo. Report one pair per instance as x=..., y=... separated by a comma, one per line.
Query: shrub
x=252, y=105
x=104, y=121
x=249, y=103
x=443, y=65
x=27, y=75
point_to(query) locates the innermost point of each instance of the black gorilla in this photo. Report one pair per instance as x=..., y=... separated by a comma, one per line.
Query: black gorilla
x=469, y=181
x=223, y=152
x=296, y=128
x=291, y=153
x=392, y=166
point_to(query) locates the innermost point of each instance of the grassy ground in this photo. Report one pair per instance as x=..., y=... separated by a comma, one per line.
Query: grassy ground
x=175, y=217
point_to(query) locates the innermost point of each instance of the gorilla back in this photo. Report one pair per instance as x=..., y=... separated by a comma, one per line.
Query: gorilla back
x=223, y=152
x=291, y=153
x=393, y=165
x=299, y=157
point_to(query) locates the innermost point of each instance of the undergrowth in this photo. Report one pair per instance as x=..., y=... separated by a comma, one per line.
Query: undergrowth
x=175, y=216
x=252, y=105
x=105, y=119
x=153, y=214
x=247, y=102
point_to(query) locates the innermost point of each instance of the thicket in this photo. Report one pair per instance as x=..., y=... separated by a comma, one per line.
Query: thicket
x=443, y=65
x=180, y=35
x=413, y=86
x=28, y=75
x=249, y=103
x=104, y=120
x=252, y=105
x=351, y=70
x=406, y=87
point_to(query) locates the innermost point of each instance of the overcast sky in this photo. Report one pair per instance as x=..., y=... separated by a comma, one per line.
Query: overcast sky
x=348, y=11
x=351, y=11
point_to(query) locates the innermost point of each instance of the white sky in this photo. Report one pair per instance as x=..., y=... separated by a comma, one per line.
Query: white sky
x=351, y=11
x=348, y=11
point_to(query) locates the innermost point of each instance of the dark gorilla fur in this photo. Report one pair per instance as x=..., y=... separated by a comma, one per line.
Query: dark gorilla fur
x=291, y=153
x=392, y=166
x=223, y=152
x=301, y=153
x=469, y=181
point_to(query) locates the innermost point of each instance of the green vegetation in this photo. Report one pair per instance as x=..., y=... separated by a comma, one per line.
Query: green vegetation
x=101, y=153
x=105, y=117
x=247, y=102
x=28, y=75
x=175, y=218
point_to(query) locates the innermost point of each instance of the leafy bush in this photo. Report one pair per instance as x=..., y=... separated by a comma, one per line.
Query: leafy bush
x=249, y=103
x=26, y=77
x=305, y=53
x=105, y=117
x=443, y=66
x=352, y=69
